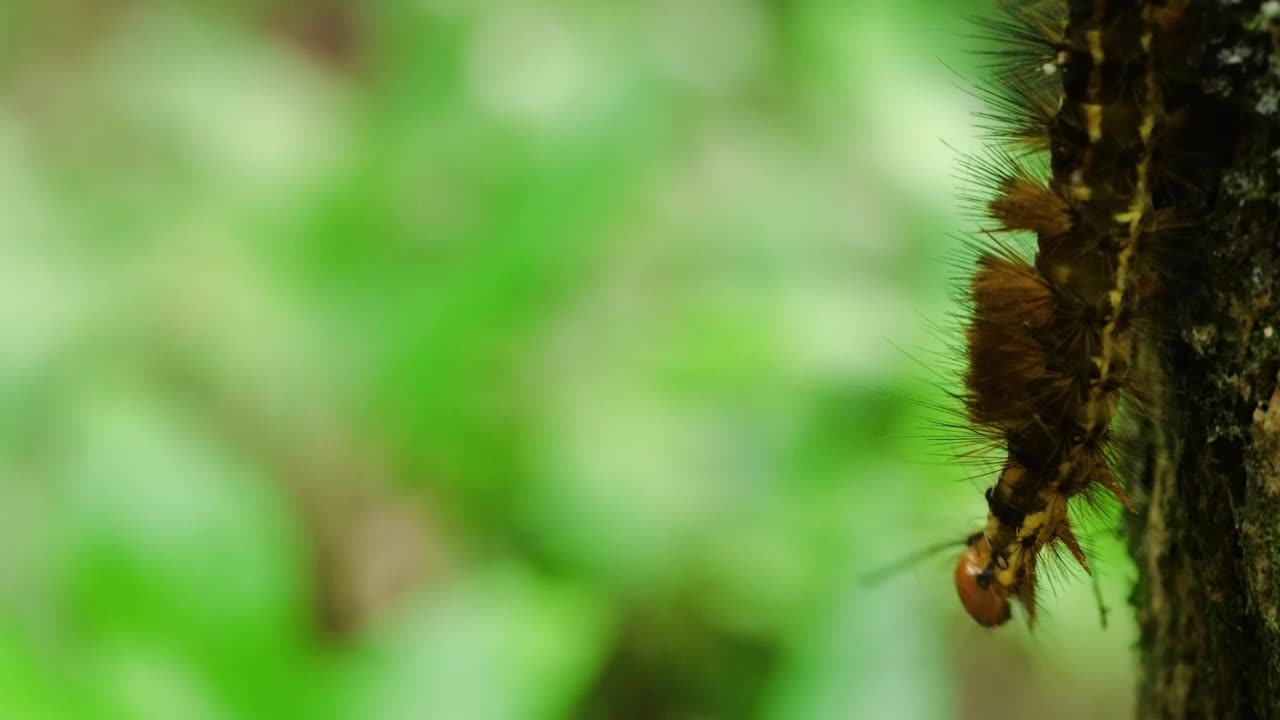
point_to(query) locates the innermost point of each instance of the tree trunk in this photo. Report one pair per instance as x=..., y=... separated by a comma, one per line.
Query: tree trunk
x=1206, y=538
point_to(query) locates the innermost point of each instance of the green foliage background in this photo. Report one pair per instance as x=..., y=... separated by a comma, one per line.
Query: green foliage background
x=494, y=360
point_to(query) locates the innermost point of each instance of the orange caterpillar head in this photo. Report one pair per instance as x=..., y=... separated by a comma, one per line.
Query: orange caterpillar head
x=986, y=600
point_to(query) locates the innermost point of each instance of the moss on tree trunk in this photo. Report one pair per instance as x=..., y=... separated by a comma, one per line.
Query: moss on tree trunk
x=1206, y=538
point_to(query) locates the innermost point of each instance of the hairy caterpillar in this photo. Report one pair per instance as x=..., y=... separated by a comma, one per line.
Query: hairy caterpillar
x=1052, y=338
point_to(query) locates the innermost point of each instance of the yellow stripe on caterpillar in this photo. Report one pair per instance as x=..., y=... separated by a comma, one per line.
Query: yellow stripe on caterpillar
x=1093, y=121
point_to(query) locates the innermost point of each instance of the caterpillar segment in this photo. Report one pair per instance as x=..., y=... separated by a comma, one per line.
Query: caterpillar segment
x=1051, y=339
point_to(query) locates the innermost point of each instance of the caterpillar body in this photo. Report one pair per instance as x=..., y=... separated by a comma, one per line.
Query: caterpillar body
x=1052, y=338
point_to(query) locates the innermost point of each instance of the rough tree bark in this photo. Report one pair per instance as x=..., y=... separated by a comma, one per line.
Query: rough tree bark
x=1206, y=538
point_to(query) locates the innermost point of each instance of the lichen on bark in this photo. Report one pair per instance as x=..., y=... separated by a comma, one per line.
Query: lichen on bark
x=1206, y=539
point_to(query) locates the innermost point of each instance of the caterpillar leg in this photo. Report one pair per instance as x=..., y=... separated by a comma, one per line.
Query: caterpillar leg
x=1068, y=538
x=1109, y=482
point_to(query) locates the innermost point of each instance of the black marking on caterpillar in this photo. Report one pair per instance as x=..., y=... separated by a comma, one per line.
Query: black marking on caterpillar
x=1052, y=338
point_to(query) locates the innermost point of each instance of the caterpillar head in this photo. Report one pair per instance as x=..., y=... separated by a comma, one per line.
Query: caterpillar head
x=985, y=599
